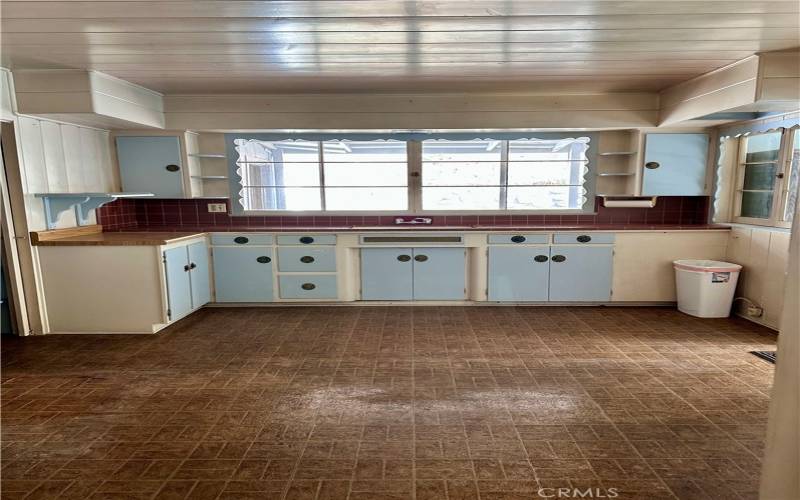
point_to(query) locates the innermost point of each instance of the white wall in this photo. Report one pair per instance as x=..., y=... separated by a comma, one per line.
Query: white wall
x=62, y=158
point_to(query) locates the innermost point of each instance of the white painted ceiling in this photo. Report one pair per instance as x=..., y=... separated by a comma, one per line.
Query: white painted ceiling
x=235, y=46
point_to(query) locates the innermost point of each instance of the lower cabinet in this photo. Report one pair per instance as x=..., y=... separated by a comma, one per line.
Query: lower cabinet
x=580, y=273
x=519, y=273
x=243, y=274
x=413, y=273
x=187, y=279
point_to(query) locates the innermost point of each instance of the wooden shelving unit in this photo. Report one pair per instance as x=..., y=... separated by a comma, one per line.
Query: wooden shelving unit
x=617, y=161
x=208, y=169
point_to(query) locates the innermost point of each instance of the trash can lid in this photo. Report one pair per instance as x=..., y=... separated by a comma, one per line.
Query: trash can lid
x=706, y=266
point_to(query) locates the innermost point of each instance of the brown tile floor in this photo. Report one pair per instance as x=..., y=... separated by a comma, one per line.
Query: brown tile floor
x=374, y=402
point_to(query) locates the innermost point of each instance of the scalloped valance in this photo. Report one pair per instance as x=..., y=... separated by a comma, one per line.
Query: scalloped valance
x=766, y=124
x=407, y=136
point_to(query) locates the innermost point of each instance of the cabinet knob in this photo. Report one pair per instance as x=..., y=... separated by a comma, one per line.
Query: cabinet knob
x=192, y=265
x=403, y=258
x=559, y=258
x=241, y=240
x=584, y=238
x=306, y=240
x=186, y=268
x=541, y=258
x=420, y=258
x=263, y=259
x=306, y=259
x=308, y=286
x=518, y=238
x=172, y=168
x=652, y=165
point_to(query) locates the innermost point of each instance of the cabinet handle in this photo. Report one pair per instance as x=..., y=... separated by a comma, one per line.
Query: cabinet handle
x=306, y=240
x=404, y=258
x=308, y=286
x=172, y=168
x=584, y=238
x=541, y=258
x=420, y=258
x=652, y=165
x=241, y=240
x=559, y=258
x=518, y=238
x=306, y=259
x=192, y=265
x=263, y=259
x=186, y=268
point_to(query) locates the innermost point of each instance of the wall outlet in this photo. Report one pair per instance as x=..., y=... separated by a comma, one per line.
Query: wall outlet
x=216, y=207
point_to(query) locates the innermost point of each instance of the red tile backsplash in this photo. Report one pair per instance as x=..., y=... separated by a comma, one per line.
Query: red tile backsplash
x=182, y=215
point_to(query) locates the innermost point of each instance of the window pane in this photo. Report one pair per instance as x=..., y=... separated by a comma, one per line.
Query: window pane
x=290, y=198
x=461, y=163
x=373, y=163
x=756, y=204
x=794, y=179
x=763, y=147
x=759, y=177
x=289, y=163
x=366, y=198
x=460, y=198
x=547, y=162
x=545, y=197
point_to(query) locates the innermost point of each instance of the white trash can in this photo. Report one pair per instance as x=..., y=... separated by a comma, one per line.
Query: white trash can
x=706, y=287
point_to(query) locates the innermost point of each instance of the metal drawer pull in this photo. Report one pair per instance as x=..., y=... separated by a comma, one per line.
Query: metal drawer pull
x=306, y=259
x=584, y=238
x=172, y=168
x=263, y=259
x=306, y=240
x=652, y=165
x=559, y=258
x=403, y=258
x=518, y=238
x=420, y=258
x=308, y=286
x=241, y=240
x=541, y=258
x=192, y=265
x=186, y=268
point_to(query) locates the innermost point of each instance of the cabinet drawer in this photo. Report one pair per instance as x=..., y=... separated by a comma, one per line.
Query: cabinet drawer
x=519, y=239
x=584, y=238
x=306, y=259
x=307, y=239
x=308, y=287
x=241, y=239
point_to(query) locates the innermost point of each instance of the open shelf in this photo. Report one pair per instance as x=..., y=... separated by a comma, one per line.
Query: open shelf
x=57, y=203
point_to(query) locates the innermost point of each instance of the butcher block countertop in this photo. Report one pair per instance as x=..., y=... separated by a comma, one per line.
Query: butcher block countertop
x=111, y=239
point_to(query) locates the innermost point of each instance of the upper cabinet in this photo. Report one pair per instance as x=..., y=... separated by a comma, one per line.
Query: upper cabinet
x=151, y=164
x=675, y=165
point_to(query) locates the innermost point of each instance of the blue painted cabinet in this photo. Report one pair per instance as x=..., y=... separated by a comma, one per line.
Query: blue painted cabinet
x=151, y=165
x=179, y=288
x=580, y=273
x=387, y=274
x=199, y=274
x=243, y=274
x=519, y=273
x=675, y=164
x=412, y=274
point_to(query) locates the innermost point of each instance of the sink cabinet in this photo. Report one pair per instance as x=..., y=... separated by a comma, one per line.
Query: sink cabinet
x=519, y=273
x=413, y=273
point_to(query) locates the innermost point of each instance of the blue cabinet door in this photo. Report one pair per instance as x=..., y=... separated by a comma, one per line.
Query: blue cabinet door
x=243, y=274
x=179, y=291
x=675, y=164
x=519, y=273
x=387, y=274
x=199, y=274
x=151, y=165
x=580, y=273
x=439, y=274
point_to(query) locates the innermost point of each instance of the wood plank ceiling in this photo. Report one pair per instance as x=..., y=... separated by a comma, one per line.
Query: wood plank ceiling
x=236, y=46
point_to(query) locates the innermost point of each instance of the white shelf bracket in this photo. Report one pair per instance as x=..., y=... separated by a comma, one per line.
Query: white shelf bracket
x=54, y=207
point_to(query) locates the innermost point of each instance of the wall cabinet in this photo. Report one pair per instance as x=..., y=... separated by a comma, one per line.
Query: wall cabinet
x=675, y=165
x=243, y=274
x=187, y=278
x=151, y=164
x=413, y=273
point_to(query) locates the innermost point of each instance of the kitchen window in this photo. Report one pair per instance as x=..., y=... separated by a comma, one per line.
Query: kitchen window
x=410, y=174
x=767, y=178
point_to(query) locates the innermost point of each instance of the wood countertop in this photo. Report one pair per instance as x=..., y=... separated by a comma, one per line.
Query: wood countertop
x=119, y=239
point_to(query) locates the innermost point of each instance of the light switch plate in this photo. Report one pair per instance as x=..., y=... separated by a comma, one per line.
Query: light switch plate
x=216, y=207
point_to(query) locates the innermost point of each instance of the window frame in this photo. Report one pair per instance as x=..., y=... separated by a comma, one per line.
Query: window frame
x=779, y=188
x=413, y=143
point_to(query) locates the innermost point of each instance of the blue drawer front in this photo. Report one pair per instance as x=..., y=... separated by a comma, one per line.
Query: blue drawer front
x=306, y=259
x=243, y=274
x=519, y=273
x=307, y=239
x=308, y=287
x=241, y=239
x=583, y=238
x=519, y=239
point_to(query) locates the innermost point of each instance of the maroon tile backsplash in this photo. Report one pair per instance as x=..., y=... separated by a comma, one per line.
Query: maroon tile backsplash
x=182, y=215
